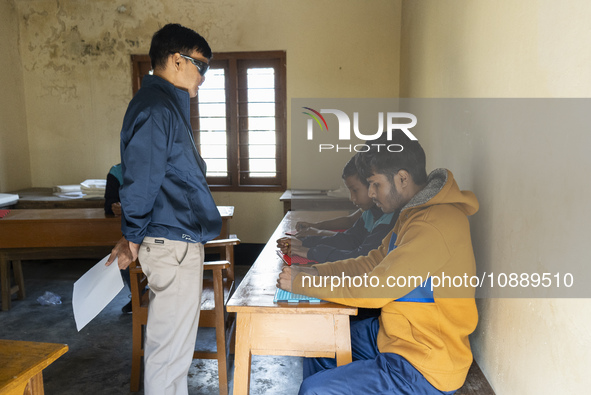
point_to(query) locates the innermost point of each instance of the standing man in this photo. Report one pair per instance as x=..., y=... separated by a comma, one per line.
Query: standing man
x=419, y=344
x=168, y=210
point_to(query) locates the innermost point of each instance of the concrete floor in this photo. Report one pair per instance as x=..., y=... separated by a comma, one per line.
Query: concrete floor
x=99, y=356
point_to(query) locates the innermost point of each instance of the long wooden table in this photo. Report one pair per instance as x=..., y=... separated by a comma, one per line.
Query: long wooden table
x=61, y=233
x=267, y=328
x=22, y=364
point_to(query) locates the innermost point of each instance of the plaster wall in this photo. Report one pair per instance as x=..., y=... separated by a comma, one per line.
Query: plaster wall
x=15, y=169
x=531, y=186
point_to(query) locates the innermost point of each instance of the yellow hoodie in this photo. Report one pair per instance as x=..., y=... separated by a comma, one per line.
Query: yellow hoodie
x=432, y=241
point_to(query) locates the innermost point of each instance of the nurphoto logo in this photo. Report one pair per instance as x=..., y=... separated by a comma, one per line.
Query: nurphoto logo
x=344, y=129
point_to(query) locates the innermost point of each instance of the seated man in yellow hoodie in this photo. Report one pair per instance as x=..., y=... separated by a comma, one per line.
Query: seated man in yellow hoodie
x=419, y=344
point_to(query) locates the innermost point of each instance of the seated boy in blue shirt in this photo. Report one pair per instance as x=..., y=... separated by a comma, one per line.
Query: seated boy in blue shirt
x=365, y=235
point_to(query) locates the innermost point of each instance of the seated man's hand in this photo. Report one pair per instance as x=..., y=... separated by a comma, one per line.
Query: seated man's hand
x=284, y=280
x=289, y=273
x=284, y=244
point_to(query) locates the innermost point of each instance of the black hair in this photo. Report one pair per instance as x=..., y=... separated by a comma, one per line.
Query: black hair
x=350, y=170
x=390, y=156
x=174, y=38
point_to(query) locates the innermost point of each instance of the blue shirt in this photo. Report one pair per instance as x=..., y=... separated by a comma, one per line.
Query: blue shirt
x=375, y=217
x=164, y=191
x=116, y=172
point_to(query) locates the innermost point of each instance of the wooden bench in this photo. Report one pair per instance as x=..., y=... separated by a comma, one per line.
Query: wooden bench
x=476, y=383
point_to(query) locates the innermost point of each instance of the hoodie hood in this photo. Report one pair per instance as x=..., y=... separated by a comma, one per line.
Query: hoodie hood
x=442, y=188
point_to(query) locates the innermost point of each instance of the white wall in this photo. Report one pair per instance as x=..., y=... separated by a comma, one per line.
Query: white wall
x=532, y=187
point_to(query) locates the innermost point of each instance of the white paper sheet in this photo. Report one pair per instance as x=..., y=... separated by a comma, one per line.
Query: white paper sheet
x=95, y=290
x=7, y=199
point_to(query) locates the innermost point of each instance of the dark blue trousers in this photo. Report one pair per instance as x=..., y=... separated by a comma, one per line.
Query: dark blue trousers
x=371, y=372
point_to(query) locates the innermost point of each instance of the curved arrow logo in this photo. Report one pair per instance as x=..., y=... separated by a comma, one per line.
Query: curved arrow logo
x=317, y=117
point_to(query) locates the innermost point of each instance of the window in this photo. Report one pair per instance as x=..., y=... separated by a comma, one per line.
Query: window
x=239, y=120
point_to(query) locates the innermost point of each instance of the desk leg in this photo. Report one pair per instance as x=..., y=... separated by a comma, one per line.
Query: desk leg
x=5, y=282
x=19, y=278
x=242, y=358
x=342, y=334
x=35, y=385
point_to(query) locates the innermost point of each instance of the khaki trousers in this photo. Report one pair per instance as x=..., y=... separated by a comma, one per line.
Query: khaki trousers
x=175, y=278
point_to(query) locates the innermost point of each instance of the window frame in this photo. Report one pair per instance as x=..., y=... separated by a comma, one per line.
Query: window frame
x=235, y=63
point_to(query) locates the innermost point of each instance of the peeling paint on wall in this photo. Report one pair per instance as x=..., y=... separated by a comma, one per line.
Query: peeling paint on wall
x=62, y=41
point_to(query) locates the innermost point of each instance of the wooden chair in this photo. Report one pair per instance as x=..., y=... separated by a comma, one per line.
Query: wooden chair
x=216, y=292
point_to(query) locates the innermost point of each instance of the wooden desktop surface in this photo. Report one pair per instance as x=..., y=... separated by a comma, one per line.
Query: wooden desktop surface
x=22, y=363
x=43, y=198
x=268, y=328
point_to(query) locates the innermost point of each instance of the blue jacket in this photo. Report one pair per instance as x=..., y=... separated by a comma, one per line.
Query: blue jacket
x=164, y=191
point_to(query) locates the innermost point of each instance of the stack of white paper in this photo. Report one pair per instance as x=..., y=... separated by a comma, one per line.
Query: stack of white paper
x=68, y=191
x=67, y=188
x=93, y=188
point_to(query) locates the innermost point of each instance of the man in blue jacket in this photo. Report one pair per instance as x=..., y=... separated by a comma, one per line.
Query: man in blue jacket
x=168, y=212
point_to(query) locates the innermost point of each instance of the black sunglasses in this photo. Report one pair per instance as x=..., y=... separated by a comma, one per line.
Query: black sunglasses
x=201, y=66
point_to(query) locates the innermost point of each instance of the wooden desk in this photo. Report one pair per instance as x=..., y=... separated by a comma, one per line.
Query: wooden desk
x=267, y=328
x=61, y=233
x=38, y=228
x=22, y=363
x=313, y=202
